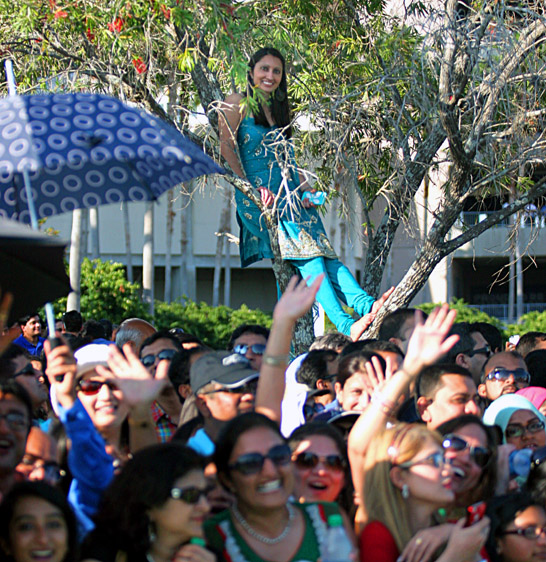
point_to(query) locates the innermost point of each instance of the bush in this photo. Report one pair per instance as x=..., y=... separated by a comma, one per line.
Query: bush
x=531, y=322
x=213, y=325
x=465, y=312
x=106, y=293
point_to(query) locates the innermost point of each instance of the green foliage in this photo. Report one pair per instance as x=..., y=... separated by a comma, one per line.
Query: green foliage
x=530, y=322
x=106, y=293
x=213, y=325
x=465, y=313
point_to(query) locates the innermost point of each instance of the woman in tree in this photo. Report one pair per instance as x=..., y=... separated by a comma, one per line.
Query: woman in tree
x=256, y=143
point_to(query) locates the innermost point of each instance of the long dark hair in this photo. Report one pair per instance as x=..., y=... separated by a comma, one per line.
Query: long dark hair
x=145, y=482
x=280, y=110
x=43, y=491
x=301, y=433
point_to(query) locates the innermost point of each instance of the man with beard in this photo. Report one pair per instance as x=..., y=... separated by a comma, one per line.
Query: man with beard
x=503, y=373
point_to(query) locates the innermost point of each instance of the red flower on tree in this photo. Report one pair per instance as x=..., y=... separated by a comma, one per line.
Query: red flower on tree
x=60, y=14
x=117, y=25
x=139, y=65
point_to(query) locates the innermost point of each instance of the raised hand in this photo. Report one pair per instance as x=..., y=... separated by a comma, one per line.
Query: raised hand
x=429, y=341
x=297, y=299
x=138, y=386
x=61, y=371
x=266, y=196
x=6, y=335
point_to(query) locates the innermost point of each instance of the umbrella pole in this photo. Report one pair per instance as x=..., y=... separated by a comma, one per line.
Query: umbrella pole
x=30, y=201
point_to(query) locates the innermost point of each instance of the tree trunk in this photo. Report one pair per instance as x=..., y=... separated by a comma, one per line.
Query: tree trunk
x=221, y=243
x=128, y=253
x=94, y=232
x=227, y=252
x=148, y=258
x=73, y=302
x=168, y=248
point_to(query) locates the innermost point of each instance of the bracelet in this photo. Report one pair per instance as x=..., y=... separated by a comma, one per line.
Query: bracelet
x=275, y=360
x=387, y=406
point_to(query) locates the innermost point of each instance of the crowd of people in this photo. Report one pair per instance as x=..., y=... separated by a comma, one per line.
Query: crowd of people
x=138, y=444
x=124, y=443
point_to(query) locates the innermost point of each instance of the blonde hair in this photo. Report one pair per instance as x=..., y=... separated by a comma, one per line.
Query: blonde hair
x=383, y=500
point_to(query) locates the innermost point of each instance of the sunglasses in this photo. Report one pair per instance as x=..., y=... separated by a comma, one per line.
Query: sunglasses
x=91, y=387
x=532, y=532
x=437, y=460
x=482, y=350
x=149, y=360
x=500, y=374
x=257, y=348
x=252, y=463
x=15, y=420
x=311, y=460
x=518, y=430
x=480, y=455
x=28, y=369
x=190, y=495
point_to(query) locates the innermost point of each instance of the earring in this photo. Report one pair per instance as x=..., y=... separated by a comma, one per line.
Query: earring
x=151, y=532
x=405, y=491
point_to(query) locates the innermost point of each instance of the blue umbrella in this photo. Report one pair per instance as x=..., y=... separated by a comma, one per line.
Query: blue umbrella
x=84, y=150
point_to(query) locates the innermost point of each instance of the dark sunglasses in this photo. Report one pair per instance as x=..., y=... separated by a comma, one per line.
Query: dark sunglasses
x=149, y=360
x=500, y=374
x=532, y=532
x=90, y=387
x=252, y=463
x=518, y=430
x=486, y=350
x=480, y=455
x=28, y=370
x=257, y=348
x=310, y=460
x=436, y=460
x=191, y=494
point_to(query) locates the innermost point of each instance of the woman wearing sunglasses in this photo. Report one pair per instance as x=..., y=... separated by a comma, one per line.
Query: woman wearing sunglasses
x=153, y=510
x=94, y=404
x=518, y=529
x=406, y=480
x=254, y=463
x=522, y=425
x=321, y=467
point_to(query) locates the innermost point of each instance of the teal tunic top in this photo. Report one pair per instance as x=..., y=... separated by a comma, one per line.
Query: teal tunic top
x=268, y=161
x=224, y=538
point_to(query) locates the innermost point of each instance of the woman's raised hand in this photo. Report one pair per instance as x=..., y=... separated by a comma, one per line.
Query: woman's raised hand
x=429, y=341
x=138, y=386
x=465, y=543
x=194, y=553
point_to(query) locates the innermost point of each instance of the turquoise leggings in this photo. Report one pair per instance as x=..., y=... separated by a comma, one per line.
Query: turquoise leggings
x=339, y=286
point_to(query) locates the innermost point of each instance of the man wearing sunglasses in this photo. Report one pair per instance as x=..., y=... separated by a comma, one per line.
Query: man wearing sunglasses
x=250, y=340
x=162, y=346
x=16, y=363
x=225, y=386
x=504, y=373
x=471, y=351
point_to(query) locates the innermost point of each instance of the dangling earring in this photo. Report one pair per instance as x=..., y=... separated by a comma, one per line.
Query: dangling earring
x=280, y=95
x=405, y=491
x=151, y=533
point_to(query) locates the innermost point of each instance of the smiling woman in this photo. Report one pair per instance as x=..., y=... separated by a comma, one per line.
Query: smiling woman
x=254, y=464
x=36, y=523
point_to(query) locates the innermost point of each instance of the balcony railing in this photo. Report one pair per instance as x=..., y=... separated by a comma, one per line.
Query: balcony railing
x=500, y=311
x=529, y=218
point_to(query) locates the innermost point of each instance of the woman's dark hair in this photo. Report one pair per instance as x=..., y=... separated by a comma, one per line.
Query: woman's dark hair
x=231, y=433
x=39, y=489
x=356, y=363
x=502, y=510
x=488, y=480
x=280, y=109
x=324, y=429
x=145, y=482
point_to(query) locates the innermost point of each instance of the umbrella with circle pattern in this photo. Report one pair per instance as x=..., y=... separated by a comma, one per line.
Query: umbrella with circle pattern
x=84, y=150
